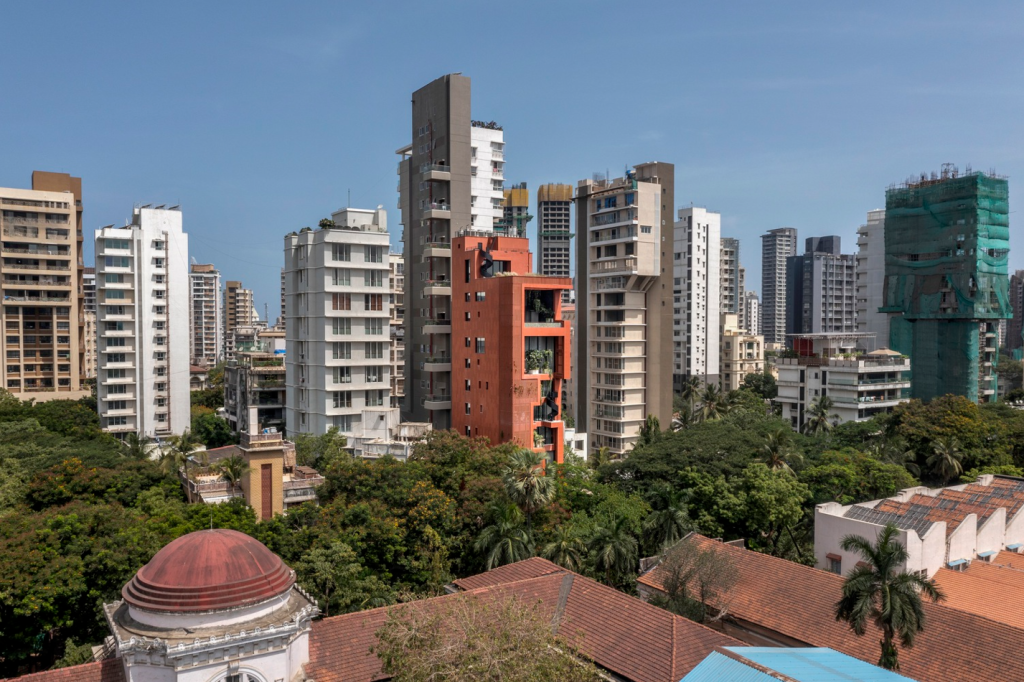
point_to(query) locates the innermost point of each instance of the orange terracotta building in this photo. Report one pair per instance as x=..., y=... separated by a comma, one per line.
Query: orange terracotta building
x=510, y=345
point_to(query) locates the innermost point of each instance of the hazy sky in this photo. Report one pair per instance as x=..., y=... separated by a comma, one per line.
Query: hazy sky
x=259, y=118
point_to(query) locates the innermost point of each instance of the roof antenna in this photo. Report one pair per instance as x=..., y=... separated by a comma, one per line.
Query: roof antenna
x=349, y=198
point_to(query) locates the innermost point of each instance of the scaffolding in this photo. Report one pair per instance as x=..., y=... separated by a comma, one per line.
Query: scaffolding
x=946, y=278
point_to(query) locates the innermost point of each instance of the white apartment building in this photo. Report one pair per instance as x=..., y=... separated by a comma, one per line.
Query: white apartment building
x=89, y=316
x=860, y=385
x=487, y=171
x=752, y=313
x=205, y=338
x=697, y=257
x=742, y=353
x=142, y=290
x=337, y=292
x=776, y=246
x=871, y=278
x=731, y=276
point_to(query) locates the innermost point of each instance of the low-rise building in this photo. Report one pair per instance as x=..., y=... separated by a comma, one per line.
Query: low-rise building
x=742, y=353
x=385, y=435
x=256, y=378
x=828, y=364
x=769, y=664
x=940, y=527
x=198, y=378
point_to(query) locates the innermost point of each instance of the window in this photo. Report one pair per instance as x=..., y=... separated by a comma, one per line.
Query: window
x=341, y=252
x=160, y=356
x=374, y=375
x=373, y=278
x=341, y=326
x=341, y=301
x=469, y=342
x=160, y=340
x=158, y=279
x=117, y=341
x=116, y=389
x=342, y=399
x=113, y=326
x=158, y=262
x=375, y=398
x=341, y=350
x=161, y=402
x=117, y=261
x=373, y=301
x=114, y=310
x=117, y=404
x=835, y=563
x=117, y=421
x=341, y=277
x=342, y=375
x=161, y=416
x=116, y=244
x=469, y=409
x=113, y=278
x=116, y=357
x=160, y=371
x=374, y=350
x=373, y=254
x=480, y=345
x=161, y=386
x=374, y=327
x=115, y=374
x=343, y=422
x=159, y=309
x=481, y=295
x=157, y=293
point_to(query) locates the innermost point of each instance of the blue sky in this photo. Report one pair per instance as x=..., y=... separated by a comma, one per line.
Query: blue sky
x=259, y=118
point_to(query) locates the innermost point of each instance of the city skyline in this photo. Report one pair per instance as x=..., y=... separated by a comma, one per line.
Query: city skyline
x=809, y=112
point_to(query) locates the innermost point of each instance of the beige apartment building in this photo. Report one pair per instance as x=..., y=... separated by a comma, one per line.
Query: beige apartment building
x=741, y=353
x=624, y=304
x=397, y=266
x=42, y=311
x=239, y=311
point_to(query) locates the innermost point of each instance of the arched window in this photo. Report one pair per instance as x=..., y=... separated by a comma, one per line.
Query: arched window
x=240, y=675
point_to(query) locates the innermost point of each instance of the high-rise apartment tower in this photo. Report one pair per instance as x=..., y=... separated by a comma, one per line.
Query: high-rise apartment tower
x=776, y=246
x=554, y=231
x=820, y=289
x=871, y=279
x=239, y=312
x=205, y=342
x=696, y=262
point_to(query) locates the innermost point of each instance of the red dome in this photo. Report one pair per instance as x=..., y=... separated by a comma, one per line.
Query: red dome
x=209, y=570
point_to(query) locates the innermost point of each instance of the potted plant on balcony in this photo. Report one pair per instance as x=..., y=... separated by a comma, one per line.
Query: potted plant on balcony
x=534, y=361
x=538, y=440
x=546, y=357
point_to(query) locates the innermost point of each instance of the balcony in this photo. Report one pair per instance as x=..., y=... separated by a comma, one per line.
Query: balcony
x=435, y=172
x=437, y=287
x=437, y=211
x=616, y=265
x=437, y=327
x=437, y=402
x=42, y=267
x=437, y=250
x=437, y=364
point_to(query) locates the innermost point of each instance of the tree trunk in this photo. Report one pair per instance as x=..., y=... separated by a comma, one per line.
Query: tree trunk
x=890, y=657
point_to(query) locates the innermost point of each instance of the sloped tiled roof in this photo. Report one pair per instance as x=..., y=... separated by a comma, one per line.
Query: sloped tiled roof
x=1011, y=559
x=620, y=633
x=989, y=590
x=798, y=602
x=109, y=670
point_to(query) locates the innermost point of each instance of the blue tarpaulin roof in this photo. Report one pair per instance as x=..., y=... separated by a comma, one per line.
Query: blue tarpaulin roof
x=733, y=664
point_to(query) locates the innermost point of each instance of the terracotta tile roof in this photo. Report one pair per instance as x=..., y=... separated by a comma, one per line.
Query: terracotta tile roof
x=798, y=602
x=109, y=670
x=989, y=590
x=1011, y=559
x=625, y=635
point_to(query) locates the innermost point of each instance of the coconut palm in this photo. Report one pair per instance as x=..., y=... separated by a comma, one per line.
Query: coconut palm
x=713, y=403
x=668, y=521
x=778, y=451
x=233, y=468
x=598, y=458
x=691, y=389
x=820, y=418
x=893, y=451
x=944, y=462
x=526, y=483
x=879, y=590
x=566, y=548
x=136, y=446
x=181, y=448
x=505, y=541
x=614, y=550
x=684, y=419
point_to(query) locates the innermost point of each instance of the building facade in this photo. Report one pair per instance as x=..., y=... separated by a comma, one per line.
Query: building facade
x=752, y=313
x=512, y=351
x=860, y=385
x=142, y=290
x=1015, y=325
x=731, y=278
x=554, y=231
x=820, y=289
x=623, y=304
x=89, y=317
x=946, y=284
x=44, y=336
x=205, y=341
x=776, y=246
x=338, y=358
x=871, y=278
x=515, y=211
x=697, y=259
x=239, y=311
x=396, y=263
x=255, y=378
x=450, y=178
x=742, y=353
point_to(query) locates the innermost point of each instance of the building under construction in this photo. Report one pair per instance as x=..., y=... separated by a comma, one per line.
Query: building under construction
x=946, y=285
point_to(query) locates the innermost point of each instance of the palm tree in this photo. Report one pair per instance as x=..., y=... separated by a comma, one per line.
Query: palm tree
x=505, y=541
x=600, y=457
x=526, y=483
x=566, y=548
x=713, y=403
x=944, y=461
x=684, y=419
x=182, y=447
x=778, y=454
x=691, y=389
x=136, y=446
x=668, y=522
x=233, y=468
x=892, y=451
x=614, y=550
x=821, y=419
x=877, y=589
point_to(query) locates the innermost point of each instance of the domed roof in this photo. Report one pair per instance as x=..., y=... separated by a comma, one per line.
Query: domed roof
x=209, y=570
